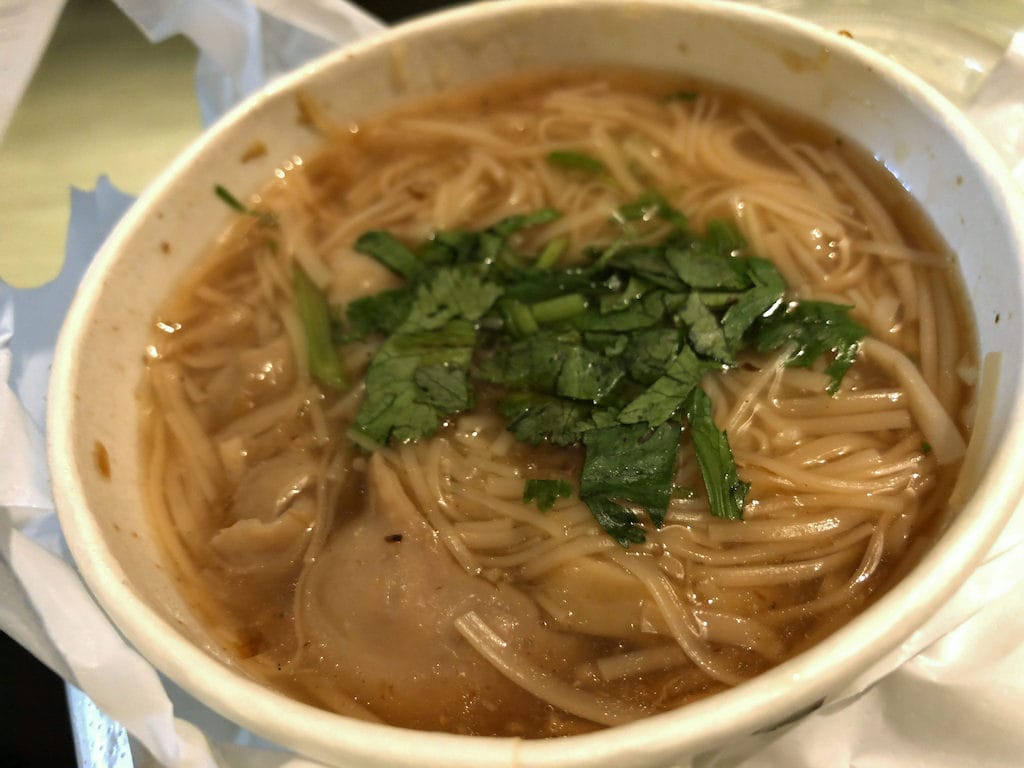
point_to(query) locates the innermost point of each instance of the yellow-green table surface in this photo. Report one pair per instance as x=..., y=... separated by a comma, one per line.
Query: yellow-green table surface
x=104, y=100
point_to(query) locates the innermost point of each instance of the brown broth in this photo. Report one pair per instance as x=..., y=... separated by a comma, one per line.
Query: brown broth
x=323, y=571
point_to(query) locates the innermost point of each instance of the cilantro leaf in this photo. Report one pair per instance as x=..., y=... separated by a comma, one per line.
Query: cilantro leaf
x=458, y=333
x=579, y=161
x=586, y=375
x=816, y=327
x=647, y=353
x=451, y=293
x=652, y=205
x=532, y=418
x=419, y=376
x=545, y=492
x=724, y=237
x=764, y=274
x=551, y=365
x=705, y=333
x=380, y=313
x=634, y=291
x=533, y=363
x=607, y=343
x=397, y=409
x=744, y=313
x=699, y=266
x=719, y=300
x=534, y=285
x=726, y=492
x=666, y=395
x=617, y=521
x=389, y=251
x=645, y=313
x=631, y=463
x=445, y=387
x=485, y=249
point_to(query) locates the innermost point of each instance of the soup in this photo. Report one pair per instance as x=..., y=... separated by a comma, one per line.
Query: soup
x=480, y=420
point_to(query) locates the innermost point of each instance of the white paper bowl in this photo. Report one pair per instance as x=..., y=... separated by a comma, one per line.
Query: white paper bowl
x=98, y=364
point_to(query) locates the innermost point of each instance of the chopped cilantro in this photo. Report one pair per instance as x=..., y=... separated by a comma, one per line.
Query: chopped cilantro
x=634, y=291
x=647, y=353
x=532, y=363
x=630, y=463
x=559, y=308
x=389, y=251
x=552, y=365
x=419, y=375
x=724, y=238
x=649, y=264
x=748, y=307
x=700, y=267
x=653, y=205
x=534, y=285
x=608, y=355
x=545, y=492
x=617, y=521
x=645, y=313
x=585, y=375
x=229, y=199
x=815, y=327
x=324, y=364
x=450, y=294
x=444, y=386
x=764, y=274
x=726, y=492
x=579, y=161
x=402, y=403
x=518, y=221
x=705, y=331
x=518, y=318
x=532, y=418
x=266, y=218
x=381, y=313
x=552, y=253
x=668, y=393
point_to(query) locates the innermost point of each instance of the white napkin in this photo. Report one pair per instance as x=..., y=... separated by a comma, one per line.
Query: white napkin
x=25, y=29
x=243, y=45
x=949, y=696
x=998, y=109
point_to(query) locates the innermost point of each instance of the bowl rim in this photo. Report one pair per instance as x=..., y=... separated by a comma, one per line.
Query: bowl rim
x=697, y=726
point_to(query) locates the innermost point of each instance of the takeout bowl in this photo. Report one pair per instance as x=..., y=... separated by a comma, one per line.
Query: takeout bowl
x=99, y=359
